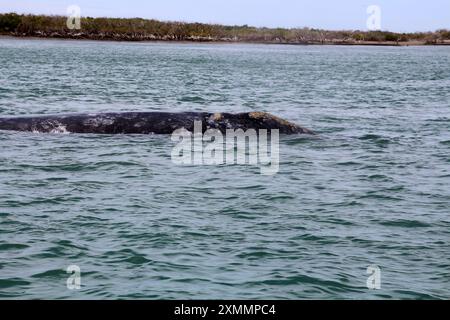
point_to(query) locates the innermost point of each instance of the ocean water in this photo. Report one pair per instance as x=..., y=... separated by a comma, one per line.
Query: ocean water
x=372, y=188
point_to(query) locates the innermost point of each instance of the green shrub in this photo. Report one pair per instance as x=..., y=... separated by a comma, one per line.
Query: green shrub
x=113, y=27
x=9, y=22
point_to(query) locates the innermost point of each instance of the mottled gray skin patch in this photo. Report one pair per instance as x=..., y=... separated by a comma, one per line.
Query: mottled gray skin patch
x=149, y=122
x=99, y=121
x=52, y=126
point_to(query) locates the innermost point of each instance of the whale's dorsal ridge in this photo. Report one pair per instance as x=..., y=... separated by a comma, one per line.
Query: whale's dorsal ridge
x=146, y=122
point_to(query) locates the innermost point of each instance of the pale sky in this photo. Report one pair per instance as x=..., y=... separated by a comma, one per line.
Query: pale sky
x=396, y=15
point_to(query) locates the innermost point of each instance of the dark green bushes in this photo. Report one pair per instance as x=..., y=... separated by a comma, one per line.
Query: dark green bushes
x=147, y=29
x=9, y=22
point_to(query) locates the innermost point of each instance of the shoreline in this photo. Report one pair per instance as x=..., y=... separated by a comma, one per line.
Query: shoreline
x=226, y=41
x=150, y=30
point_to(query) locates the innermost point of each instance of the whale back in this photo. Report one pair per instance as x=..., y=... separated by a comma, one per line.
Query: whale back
x=148, y=122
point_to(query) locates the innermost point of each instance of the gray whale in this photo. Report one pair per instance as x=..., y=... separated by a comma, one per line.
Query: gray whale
x=148, y=122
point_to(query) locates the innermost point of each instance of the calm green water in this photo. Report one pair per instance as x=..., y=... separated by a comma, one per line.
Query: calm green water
x=371, y=188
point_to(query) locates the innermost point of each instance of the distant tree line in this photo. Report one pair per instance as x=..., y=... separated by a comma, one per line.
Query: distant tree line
x=137, y=29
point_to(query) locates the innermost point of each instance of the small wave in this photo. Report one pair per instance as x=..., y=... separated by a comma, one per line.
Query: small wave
x=314, y=238
x=192, y=99
x=348, y=163
x=409, y=294
x=12, y=246
x=379, y=197
x=55, y=274
x=370, y=137
x=256, y=255
x=292, y=141
x=13, y=283
x=377, y=139
x=380, y=177
x=405, y=223
x=127, y=256
x=322, y=284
